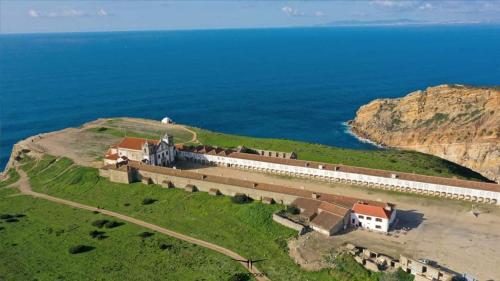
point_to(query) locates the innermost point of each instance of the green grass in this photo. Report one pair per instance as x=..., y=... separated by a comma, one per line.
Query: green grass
x=386, y=159
x=247, y=229
x=121, y=128
x=122, y=133
x=12, y=177
x=36, y=248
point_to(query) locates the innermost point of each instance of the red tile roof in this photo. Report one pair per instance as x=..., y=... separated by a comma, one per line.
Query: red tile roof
x=135, y=143
x=111, y=156
x=370, y=210
x=326, y=220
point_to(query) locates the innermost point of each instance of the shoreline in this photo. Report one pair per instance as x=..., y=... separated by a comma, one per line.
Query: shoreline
x=348, y=130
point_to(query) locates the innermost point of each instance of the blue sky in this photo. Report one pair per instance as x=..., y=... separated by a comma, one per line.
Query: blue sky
x=82, y=16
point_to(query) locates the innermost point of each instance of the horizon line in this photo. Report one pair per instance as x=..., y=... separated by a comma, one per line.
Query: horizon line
x=395, y=25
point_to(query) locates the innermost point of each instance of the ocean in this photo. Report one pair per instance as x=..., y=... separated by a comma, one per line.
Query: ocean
x=296, y=83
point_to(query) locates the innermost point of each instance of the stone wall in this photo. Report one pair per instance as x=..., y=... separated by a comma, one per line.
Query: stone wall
x=288, y=223
x=205, y=186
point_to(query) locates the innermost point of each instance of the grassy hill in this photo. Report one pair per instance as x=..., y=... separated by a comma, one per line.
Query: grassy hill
x=245, y=228
x=35, y=247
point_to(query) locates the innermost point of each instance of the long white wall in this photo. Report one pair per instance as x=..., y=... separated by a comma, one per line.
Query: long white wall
x=387, y=183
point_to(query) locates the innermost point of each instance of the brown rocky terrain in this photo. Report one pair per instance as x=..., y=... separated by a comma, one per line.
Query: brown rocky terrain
x=455, y=122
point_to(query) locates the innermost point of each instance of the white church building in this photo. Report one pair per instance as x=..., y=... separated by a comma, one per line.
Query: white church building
x=153, y=152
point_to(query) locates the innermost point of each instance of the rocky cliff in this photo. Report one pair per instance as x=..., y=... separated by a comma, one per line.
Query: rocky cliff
x=455, y=122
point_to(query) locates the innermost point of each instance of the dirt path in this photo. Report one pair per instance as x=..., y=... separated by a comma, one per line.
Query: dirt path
x=25, y=188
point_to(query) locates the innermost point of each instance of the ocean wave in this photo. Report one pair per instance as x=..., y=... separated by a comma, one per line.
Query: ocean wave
x=348, y=130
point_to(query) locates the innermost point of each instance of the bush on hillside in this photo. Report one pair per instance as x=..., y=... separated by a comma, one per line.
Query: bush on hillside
x=5, y=216
x=145, y=234
x=113, y=224
x=80, y=249
x=165, y=246
x=241, y=199
x=148, y=201
x=99, y=223
x=98, y=234
x=11, y=220
x=239, y=277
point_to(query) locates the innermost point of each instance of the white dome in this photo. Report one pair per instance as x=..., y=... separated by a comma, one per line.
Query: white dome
x=166, y=120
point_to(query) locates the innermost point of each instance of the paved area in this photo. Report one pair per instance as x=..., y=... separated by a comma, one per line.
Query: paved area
x=25, y=188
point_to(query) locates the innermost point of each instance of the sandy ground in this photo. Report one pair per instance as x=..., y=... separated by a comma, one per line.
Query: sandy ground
x=87, y=148
x=442, y=230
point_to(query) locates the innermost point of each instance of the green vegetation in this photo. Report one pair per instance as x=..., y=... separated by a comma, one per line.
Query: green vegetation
x=50, y=242
x=122, y=133
x=12, y=177
x=387, y=159
x=435, y=120
x=247, y=229
x=241, y=199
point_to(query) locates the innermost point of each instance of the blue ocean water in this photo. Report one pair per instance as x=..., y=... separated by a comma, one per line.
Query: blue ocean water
x=299, y=83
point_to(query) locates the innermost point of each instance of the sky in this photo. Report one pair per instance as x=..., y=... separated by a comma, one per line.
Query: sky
x=90, y=16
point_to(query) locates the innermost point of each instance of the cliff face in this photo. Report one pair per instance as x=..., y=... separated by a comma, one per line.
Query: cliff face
x=454, y=122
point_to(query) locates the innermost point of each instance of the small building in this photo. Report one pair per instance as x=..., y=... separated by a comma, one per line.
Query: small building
x=214, y=192
x=166, y=120
x=267, y=153
x=190, y=188
x=424, y=271
x=373, y=217
x=323, y=217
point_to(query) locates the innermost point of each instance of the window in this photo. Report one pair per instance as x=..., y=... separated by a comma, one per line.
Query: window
x=378, y=227
x=369, y=218
x=379, y=220
x=361, y=217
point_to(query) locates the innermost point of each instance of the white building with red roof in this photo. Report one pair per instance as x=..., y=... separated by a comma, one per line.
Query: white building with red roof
x=373, y=217
x=154, y=152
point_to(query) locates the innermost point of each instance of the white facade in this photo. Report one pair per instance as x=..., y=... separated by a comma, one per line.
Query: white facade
x=161, y=154
x=455, y=192
x=372, y=222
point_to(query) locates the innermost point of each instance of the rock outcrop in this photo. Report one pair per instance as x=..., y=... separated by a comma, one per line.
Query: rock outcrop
x=455, y=122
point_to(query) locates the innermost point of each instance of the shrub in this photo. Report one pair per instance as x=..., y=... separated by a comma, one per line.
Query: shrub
x=148, y=201
x=292, y=209
x=11, y=220
x=165, y=246
x=19, y=215
x=80, y=249
x=145, y=234
x=241, y=199
x=239, y=277
x=99, y=223
x=98, y=234
x=5, y=216
x=2, y=228
x=113, y=224
x=126, y=204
